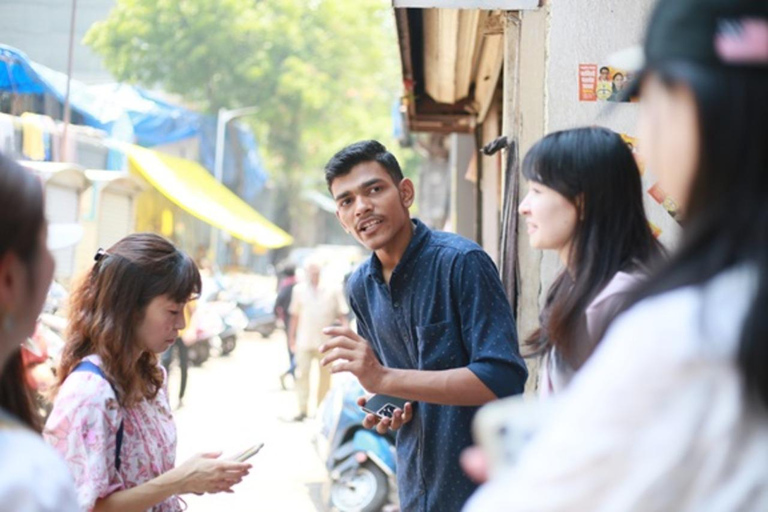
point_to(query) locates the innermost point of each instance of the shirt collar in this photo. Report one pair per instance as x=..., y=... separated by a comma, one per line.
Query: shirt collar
x=421, y=233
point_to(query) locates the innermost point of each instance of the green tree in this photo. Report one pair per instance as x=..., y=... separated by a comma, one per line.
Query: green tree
x=323, y=72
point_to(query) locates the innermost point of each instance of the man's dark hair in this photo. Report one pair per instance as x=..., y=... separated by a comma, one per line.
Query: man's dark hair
x=358, y=153
x=605, y=68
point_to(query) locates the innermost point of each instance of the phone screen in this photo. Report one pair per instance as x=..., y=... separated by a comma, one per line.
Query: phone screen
x=383, y=406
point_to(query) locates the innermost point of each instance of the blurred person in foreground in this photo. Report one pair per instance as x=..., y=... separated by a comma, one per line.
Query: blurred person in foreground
x=434, y=326
x=111, y=420
x=17, y=397
x=32, y=477
x=671, y=412
x=314, y=306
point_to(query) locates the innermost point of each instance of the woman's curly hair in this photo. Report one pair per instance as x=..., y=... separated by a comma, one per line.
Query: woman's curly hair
x=110, y=302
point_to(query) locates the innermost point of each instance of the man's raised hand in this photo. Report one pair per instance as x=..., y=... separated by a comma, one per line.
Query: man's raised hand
x=353, y=354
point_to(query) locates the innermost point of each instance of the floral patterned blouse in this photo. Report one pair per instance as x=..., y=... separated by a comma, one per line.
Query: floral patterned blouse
x=83, y=428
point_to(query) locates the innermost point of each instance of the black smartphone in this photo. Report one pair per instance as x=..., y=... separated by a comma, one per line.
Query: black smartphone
x=384, y=406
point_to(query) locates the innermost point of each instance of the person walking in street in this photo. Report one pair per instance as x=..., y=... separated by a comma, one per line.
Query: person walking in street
x=314, y=306
x=33, y=478
x=282, y=304
x=180, y=347
x=111, y=420
x=434, y=327
x=671, y=411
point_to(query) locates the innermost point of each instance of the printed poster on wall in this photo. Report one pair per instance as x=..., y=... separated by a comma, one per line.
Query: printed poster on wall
x=657, y=218
x=602, y=83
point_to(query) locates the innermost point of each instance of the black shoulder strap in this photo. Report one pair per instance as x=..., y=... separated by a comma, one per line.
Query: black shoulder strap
x=87, y=366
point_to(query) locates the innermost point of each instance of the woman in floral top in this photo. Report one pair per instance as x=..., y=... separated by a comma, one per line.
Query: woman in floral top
x=111, y=420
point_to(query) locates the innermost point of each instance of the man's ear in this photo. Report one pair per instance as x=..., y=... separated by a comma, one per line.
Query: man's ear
x=407, y=192
x=338, y=217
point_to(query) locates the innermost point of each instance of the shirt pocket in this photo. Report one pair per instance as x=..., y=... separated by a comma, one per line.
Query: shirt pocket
x=440, y=347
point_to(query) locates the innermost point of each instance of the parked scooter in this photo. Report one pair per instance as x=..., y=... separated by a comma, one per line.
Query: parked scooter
x=40, y=356
x=234, y=322
x=42, y=352
x=260, y=313
x=361, y=462
x=208, y=325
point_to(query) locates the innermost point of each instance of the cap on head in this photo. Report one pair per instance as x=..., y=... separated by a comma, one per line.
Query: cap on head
x=717, y=33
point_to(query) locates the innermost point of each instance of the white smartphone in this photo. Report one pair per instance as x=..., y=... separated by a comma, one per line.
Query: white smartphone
x=248, y=453
x=505, y=427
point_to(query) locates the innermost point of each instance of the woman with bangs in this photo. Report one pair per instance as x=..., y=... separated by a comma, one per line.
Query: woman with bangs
x=671, y=413
x=111, y=419
x=585, y=202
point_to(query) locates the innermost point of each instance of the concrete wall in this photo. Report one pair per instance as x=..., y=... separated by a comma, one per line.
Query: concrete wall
x=543, y=51
x=589, y=31
x=463, y=208
x=586, y=31
x=434, y=191
x=40, y=28
x=525, y=118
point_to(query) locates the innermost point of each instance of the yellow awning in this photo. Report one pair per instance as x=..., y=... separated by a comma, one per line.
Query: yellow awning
x=190, y=186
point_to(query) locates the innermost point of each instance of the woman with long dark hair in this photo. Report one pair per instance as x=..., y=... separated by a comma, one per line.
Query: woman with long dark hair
x=111, y=419
x=671, y=413
x=32, y=477
x=16, y=396
x=585, y=202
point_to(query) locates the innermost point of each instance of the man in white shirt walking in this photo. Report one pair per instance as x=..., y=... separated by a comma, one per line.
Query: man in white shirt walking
x=314, y=306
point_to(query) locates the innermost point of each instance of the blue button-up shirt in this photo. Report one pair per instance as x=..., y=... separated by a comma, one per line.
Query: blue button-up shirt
x=444, y=308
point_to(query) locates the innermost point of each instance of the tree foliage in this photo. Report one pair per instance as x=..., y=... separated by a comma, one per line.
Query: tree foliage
x=324, y=72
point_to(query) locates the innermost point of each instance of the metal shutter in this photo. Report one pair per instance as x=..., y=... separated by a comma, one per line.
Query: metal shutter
x=61, y=205
x=115, y=219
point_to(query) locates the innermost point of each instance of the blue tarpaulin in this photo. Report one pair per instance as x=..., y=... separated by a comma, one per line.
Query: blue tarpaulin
x=16, y=75
x=131, y=114
x=155, y=121
x=254, y=173
x=97, y=110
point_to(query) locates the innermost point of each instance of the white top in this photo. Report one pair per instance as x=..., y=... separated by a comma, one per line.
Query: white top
x=655, y=421
x=316, y=308
x=32, y=477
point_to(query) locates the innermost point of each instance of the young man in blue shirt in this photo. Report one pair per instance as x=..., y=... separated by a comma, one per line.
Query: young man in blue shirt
x=434, y=327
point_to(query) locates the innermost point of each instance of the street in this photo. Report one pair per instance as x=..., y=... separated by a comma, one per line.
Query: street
x=234, y=402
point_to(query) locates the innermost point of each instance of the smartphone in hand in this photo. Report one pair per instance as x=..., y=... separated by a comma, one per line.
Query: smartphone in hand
x=248, y=453
x=383, y=406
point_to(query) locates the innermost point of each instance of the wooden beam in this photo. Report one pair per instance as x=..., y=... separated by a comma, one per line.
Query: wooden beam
x=440, y=52
x=469, y=21
x=506, y=5
x=442, y=124
x=488, y=72
x=494, y=23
